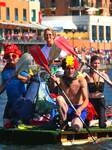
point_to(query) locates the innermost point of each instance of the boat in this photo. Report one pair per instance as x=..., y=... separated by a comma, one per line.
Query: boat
x=35, y=136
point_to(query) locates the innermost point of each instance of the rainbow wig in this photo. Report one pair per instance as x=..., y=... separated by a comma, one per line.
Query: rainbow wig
x=69, y=62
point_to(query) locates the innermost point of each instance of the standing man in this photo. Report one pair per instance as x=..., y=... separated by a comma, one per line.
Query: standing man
x=75, y=87
x=49, y=36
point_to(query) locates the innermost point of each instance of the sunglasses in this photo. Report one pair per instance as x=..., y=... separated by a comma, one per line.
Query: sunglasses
x=9, y=56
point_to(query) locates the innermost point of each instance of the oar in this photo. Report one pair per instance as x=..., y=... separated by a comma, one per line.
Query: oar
x=22, y=65
x=54, y=52
x=38, y=56
x=62, y=43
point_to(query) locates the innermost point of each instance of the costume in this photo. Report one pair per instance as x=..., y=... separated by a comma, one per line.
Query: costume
x=15, y=88
x=98, y=103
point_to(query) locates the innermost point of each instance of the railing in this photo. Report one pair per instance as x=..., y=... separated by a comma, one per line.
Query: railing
x=21, y=40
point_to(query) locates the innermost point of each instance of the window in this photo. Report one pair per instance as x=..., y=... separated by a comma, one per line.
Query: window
x=101, y=33
x=7, y=13
x=75, y=3
x=108, y=33
x=16, y=14
x=33, y=15
x=99, y=3
x=94, y=33
x=24, y=15
x=53, y=4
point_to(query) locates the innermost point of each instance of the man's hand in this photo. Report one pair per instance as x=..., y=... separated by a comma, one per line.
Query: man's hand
x=78, y=111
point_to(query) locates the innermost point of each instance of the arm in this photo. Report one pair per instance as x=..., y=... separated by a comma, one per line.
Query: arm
x=84, y=91
x=107, y=78
x=23, y=76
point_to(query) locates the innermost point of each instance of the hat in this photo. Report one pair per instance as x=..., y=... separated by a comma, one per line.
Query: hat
x=70, y=61
x=12, y=48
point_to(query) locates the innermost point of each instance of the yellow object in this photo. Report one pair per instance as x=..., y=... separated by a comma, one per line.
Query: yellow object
x=80, y=75
x=31, y=72
x=24, y=127
x=69, y=60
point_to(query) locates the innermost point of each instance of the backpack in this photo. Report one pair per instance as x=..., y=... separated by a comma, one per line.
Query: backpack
x=44, y=104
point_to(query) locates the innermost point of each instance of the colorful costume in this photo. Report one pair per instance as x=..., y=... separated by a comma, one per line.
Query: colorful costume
x=15, y=88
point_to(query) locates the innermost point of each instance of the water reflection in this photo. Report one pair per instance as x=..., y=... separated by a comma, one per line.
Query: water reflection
x=98, y=146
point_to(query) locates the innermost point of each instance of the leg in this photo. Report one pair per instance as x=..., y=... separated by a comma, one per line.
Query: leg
x=7, y=117
x=63, y=107
x=102, y=118
x=99, y=105
x=77, y=124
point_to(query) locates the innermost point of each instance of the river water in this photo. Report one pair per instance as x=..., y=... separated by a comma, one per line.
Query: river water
x=98, y=146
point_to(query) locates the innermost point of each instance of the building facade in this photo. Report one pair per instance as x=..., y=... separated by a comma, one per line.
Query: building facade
x=75, y=7
x=20, y=21
x=88, y=31
x=91, y=18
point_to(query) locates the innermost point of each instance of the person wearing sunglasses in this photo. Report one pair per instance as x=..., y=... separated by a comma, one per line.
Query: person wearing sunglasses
x=15, y=88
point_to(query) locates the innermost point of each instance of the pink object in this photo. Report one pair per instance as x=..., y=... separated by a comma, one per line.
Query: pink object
x=63, y=44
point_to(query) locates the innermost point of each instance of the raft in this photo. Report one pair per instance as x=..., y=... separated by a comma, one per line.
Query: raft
x=35, y=136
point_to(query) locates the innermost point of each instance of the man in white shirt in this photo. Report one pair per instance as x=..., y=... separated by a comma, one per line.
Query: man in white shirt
x=49, y=36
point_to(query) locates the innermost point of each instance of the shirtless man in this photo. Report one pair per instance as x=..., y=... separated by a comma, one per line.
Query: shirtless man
x=75, y=87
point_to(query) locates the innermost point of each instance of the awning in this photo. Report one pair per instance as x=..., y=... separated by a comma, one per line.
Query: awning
x=35, y=26
x=64, y=24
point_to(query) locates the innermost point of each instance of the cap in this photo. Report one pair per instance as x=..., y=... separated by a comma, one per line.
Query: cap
x=12, y=48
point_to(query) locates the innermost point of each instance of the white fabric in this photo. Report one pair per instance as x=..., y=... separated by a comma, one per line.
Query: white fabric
x=46, y=51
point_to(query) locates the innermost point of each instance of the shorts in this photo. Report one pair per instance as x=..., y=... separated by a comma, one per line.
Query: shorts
x=71, y=114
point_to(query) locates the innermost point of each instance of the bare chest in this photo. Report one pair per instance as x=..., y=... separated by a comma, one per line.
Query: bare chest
x=73, y=90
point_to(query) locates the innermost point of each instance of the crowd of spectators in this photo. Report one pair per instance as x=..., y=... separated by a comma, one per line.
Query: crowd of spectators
x=105, y=55
x=22, y=37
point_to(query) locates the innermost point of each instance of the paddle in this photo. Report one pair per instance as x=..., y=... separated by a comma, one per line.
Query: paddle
x=54, y=52
x=62, y=43
x=22, y=65
x=40, y=58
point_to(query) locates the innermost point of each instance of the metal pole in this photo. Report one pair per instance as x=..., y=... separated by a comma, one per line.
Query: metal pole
x=80, y=7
